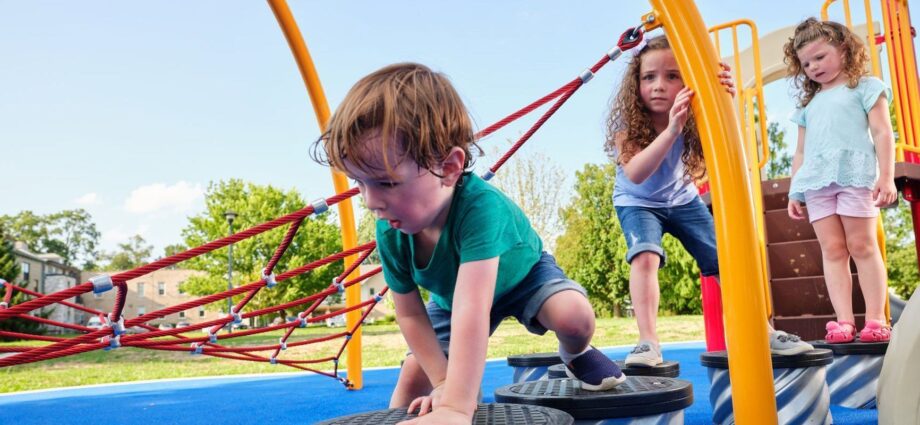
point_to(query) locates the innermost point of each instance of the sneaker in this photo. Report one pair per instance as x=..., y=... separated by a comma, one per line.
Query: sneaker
x=595, y=371
x=645, y=354
x=787, y=344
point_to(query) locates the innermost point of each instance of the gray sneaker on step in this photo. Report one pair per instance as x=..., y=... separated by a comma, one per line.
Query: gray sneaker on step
x=645, y=354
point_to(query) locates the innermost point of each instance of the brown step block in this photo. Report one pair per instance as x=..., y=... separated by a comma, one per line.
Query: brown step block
x=809, y=328
x=808, y=295
x=775, y=194
x=796, y=259
x=781, y=228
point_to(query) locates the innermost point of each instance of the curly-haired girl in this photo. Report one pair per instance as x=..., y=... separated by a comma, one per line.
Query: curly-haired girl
x=839, y=171
x=652, y=135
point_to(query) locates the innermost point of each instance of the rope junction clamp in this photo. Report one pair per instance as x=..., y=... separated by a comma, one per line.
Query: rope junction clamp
x=302, y=320
x=113, y=341
x=320, y=206
x=101, y=283
x=488, y=175
x=338, y=285
x=282, y=343
x=4, y=305
x=118, y=328
x=269, y=279
x=212, y=338
x=196, y=348
x=237, y=318
x=586, y=76
x=377, y=298
x=273, y=360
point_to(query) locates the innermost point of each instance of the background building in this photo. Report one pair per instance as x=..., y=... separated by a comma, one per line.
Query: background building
x=47, y=273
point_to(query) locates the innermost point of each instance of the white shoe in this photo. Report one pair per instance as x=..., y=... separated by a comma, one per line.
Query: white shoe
x=645, y=354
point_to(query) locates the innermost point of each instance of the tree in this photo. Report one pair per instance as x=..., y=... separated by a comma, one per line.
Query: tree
x=9, y=271
x=901, y=250
x=318, y=237
x=592, y=250
x=780, y=162
x=72, y=234
x=134, y=253
x=537, y=185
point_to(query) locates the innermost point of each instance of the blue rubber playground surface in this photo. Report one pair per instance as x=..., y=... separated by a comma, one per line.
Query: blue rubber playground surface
x=293, y=398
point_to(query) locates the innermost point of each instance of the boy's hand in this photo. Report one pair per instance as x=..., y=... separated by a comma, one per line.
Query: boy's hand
x=884, y=193
x=796, y=210
x=680, y=111
x=726, y=79
x=429, y=402
x=441, y=416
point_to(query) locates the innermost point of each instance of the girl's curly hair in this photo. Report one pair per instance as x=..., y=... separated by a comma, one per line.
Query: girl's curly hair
x=630, y=116
x=855, y=57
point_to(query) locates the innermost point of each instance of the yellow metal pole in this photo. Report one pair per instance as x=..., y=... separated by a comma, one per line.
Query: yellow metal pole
x=742, y=277
x=870, y=41
x=346, y=213
x=893, y=70
x=909, y=69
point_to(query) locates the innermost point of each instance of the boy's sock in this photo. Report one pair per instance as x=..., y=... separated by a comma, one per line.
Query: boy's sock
x=568, y=357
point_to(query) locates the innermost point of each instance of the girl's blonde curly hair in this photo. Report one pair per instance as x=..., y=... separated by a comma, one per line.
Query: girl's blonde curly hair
x=855, y=57
x=629, y=117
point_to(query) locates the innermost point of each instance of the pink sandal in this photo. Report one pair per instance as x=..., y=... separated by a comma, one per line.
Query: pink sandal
x=875, y=331
x=840, y=332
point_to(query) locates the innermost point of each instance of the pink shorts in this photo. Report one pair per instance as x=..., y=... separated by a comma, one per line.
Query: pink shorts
x=841, y=200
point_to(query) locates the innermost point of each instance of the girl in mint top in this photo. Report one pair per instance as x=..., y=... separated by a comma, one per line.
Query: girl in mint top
x=838, y=148
x=843, y=168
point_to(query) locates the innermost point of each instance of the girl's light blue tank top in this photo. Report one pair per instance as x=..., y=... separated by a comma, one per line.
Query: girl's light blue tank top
x=666, y=187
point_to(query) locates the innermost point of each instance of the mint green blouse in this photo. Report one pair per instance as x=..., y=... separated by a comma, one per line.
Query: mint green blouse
x=838, y=146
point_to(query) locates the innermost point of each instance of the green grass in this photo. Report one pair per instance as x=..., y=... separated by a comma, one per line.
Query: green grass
x=383, y=346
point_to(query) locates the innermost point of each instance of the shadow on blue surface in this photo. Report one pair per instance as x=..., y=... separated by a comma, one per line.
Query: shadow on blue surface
x=293, y=398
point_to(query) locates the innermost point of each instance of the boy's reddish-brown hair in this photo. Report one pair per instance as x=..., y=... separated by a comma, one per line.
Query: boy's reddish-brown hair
x=855, y=57
x=405, y=103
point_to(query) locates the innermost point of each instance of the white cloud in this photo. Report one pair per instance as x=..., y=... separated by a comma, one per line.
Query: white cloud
x=89, y=199
x=179, y=197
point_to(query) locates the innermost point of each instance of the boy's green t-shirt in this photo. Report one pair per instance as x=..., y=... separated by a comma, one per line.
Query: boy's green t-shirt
x=482, y=223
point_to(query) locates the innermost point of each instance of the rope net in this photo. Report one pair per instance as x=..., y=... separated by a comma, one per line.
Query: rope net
x=188, y=339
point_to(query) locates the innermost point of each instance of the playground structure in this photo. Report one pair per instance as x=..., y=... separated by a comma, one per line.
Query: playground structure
x=734, y=177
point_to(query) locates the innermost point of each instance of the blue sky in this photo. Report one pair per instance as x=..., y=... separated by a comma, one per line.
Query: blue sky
x=130, y=109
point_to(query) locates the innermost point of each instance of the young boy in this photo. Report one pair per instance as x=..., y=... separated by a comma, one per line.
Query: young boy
x=403, y=134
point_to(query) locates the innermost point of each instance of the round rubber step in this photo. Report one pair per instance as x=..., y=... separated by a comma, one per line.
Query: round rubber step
x=534, y=360
x=637, y=396
x=666, y=369
x=493, y=413
x=816, y=357
x=850, y=348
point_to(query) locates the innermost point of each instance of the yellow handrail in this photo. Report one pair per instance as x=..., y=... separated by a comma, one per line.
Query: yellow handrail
x=346, y=212
x=870, y=30
x=743, y=280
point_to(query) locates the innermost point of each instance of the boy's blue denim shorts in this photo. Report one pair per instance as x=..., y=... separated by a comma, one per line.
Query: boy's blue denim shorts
x=691, y=224
x=523, y=302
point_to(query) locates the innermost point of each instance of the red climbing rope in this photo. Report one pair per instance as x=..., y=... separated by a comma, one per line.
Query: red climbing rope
x=113, y=334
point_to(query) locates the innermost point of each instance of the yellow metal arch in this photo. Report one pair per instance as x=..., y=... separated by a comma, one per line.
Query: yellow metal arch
x=346, y=212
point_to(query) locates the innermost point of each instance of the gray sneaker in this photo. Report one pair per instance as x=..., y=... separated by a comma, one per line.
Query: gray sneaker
x=645, y=354
x=787, y=344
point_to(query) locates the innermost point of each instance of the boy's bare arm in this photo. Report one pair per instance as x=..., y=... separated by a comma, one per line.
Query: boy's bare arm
x=469, y=333
x=416, y=329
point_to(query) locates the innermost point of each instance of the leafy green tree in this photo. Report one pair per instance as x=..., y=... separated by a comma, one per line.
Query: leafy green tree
x=9, y=271
x=367, y=231
x=318, y=237
x=592, y=250
x=134, y=253
x=780, y=163
x=903, y=275
x=72, y=234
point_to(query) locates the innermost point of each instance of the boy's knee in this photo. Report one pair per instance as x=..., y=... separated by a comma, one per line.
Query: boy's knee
x=646, y=261
x=580, y=323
